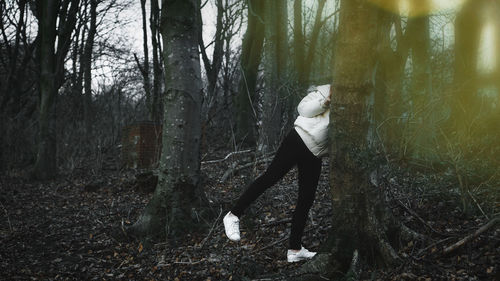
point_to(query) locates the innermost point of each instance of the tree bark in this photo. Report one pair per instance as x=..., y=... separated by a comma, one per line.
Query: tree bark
x=157, y=69
x=361, y=221
x=276, y=46
x=87, y=68
x=45, y=166
x=251, y=55
x=145, y=67
x=51, y=76
x=178, y=201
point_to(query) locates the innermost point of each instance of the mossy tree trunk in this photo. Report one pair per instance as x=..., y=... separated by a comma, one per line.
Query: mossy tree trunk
x=178, y=201
x=361, y=222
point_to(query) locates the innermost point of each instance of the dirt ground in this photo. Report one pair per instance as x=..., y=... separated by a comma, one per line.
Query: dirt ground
x=70, y=229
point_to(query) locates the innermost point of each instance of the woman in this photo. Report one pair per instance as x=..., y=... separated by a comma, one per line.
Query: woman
x=303, y=146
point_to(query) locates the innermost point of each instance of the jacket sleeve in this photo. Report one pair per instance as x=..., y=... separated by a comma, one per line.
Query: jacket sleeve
x=313, y=104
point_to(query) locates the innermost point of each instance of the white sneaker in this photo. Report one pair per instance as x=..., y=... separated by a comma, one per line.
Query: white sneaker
x=232, y=227
x=295, y=256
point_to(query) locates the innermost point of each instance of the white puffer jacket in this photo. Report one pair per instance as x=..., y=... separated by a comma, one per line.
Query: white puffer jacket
x=313, y=120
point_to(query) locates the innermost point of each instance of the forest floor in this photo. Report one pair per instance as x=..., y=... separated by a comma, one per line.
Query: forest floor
x=70, y=229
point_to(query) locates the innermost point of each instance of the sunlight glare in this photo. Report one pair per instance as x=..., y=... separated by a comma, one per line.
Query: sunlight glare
x=487, y=55
x=418, y=7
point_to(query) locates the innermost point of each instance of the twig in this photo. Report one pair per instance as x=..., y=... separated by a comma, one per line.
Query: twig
x=470, y=237
x=188, y=262
x=227, y=156
x=231, y=171
x=419, y=254
x=211, y=230
x=419, y=218
x=287, y=220
x=479, y=206
x=8, y=218
x=270, y=245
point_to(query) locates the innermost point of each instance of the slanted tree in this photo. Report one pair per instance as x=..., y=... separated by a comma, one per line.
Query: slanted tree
x=251, y=55
x=178, y=200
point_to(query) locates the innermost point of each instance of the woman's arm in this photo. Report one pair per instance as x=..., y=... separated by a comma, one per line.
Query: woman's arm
x=313, y=104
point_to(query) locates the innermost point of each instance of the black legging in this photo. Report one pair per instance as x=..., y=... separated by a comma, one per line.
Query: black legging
x=292, y=152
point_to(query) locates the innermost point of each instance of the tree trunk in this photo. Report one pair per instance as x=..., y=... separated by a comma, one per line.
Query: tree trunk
x=145, y=67
x=45, y=166
x=178, y=200
x=157, y=70
x=299, y=43
x=275, y=74
x=421, y=134
x=251, y=54
x=87, y=69
x=361, y=221
x=318, y=23
x=465, y=103
x=393, y=64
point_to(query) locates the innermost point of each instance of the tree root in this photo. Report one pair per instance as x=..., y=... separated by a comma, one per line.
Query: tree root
x=388, y=253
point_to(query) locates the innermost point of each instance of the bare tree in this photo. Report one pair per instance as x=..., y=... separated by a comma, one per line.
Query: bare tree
x=178, y=199
x=157, y=69
x=251, y=55
x=55, y=21
x=17, y=81
x=275, y=71
x=86, y=65
x=304, y=59
x=465, y=101
x=144, y=68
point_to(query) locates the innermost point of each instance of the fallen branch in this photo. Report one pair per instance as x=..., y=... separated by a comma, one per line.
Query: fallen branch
x=270, y=245
x=237, y=168
x=422, y=251
x=287, y=220
x=227, y=157
x=470, y=237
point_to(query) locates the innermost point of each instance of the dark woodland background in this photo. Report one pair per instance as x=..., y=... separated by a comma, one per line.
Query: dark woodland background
x=117, y=163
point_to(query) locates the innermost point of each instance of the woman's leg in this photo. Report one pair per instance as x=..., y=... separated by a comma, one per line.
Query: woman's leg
x=285, y=158
x=309, y=172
